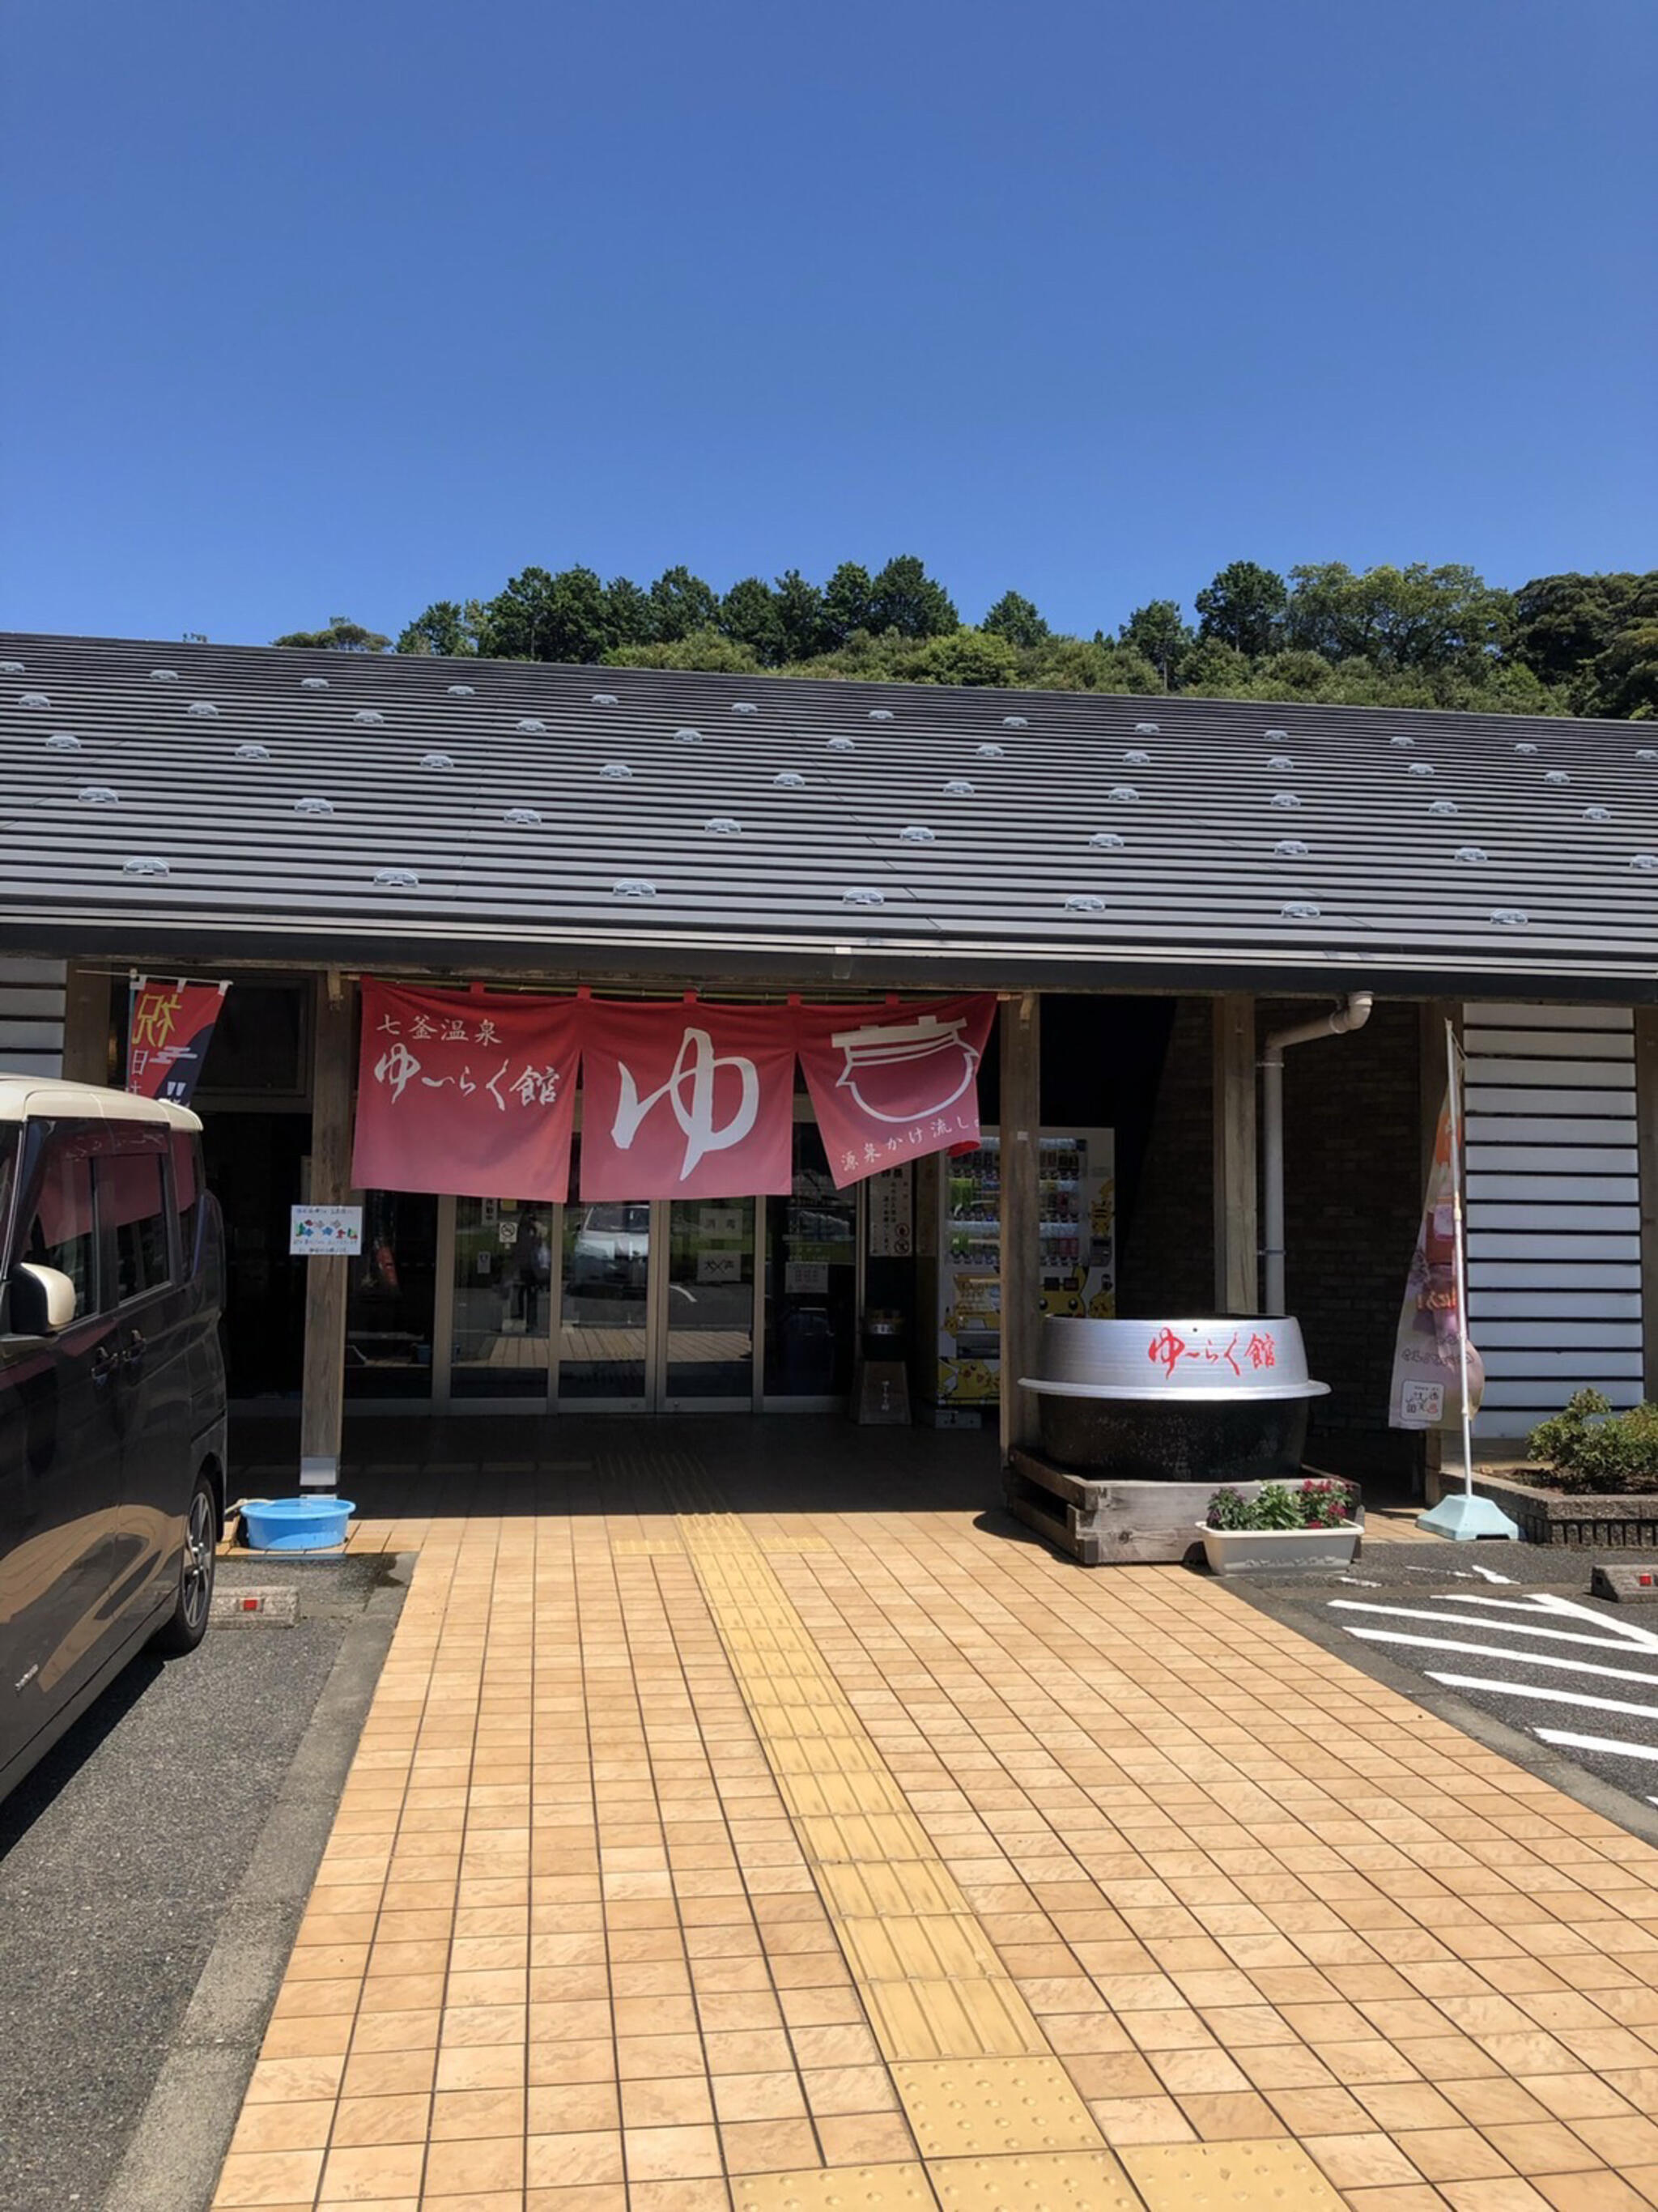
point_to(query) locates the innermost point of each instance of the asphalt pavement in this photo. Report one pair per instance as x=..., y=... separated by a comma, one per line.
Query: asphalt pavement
x=1509, y=1632
x=141, y=1945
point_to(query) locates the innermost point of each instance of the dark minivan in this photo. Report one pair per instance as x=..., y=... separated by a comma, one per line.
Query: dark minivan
x=112, y=1398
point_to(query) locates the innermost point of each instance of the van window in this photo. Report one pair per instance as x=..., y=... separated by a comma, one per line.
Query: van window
x=133, y=1205
x=58, y=1232
x=186, y=1194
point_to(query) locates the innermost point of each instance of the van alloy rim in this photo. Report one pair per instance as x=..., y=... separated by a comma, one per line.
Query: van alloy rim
x=198, y=1588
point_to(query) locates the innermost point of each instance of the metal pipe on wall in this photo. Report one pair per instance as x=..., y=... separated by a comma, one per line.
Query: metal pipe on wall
x=1340, y=1021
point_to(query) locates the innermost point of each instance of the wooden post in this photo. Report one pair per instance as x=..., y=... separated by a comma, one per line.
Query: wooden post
x=322, y=1405
x=87, y=1008
x=1021, y=1258
x=1646, y=1129
x=1237, y=1226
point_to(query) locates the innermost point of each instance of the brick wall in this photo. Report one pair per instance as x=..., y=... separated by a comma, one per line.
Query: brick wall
x=1353, y=1197
x=1166, y=1264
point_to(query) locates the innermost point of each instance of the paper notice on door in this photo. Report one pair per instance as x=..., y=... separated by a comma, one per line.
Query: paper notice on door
x=719, y=1266
x=805, y=1278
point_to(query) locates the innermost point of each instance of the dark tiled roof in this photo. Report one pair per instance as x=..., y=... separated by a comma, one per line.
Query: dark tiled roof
x=505, y=816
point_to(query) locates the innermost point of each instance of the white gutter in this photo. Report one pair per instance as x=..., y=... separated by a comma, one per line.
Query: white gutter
x=1341, y=1021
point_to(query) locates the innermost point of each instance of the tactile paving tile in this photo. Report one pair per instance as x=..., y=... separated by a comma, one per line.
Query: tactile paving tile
x=864, y=1836
x=969, y=2108
x=836, y=2189
x=1049, y=2181
x=1268, y=2175
x=934, y=1947
x=907, y=1885
x=815, y=1797
x=951, y=2020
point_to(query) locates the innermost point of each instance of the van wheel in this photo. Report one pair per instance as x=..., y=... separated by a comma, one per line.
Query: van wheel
x=188, y=1624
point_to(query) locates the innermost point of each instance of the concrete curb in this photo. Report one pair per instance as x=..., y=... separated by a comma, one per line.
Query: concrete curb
x=174, y=2159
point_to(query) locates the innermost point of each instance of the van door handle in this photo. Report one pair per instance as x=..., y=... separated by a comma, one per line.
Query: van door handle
x=103, y=1367
x=133, y=1357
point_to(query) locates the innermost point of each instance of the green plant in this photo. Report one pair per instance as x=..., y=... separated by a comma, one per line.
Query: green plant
x=1275, y=1505
x=1587, y=1447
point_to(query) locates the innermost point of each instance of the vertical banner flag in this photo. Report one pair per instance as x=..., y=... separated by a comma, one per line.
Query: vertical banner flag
x=466, y=1093
x=169, y=1029
x=1427, y=1357
x=890, y=1084
x=687, y=1100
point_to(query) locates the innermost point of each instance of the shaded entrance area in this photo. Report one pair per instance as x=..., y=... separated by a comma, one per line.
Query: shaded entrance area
x=406, y=1469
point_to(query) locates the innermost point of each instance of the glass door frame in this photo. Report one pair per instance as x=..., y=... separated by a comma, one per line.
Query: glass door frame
x=655, y=1398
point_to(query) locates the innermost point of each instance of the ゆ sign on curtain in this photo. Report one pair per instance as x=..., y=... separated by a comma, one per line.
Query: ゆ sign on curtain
x=890, y=1084
x=468, y=1094
x=687, y=1100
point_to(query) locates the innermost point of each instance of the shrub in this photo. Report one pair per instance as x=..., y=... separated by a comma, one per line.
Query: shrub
x=1587, y=1447
x=1275, y=1505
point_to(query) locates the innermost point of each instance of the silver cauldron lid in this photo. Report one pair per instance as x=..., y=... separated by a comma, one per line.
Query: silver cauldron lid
x=1252, y=1359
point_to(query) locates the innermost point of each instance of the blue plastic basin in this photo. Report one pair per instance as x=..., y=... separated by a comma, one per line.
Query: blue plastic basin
x=295, y=1524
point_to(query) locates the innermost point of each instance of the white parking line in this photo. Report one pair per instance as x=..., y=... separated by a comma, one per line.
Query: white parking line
x=1554, y=1696
x=1486, y=1651
x=1465, y=1620
x=1605, y=1743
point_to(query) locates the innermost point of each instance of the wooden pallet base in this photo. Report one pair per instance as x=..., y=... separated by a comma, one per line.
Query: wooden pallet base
x=1108, y=1523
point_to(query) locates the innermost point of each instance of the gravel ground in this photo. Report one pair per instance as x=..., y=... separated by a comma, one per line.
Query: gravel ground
x=119, y=1858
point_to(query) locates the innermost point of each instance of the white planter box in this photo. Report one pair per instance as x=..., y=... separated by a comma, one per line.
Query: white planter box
x=1234, y=1551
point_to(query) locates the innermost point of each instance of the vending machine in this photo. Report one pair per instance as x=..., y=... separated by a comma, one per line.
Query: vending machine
x=960, y=1241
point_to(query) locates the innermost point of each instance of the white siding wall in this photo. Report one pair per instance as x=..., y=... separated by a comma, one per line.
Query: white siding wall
x=1554, y=1208
x=30, y=1017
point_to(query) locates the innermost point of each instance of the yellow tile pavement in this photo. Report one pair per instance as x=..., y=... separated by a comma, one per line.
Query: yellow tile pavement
x=690, y=1860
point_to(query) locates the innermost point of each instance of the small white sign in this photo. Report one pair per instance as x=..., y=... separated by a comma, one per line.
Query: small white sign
x=720, y=1221
x=719, y=1266
x=324, y=1231
x=891, y=1235
x=805, y=1278
x=1422, y=1405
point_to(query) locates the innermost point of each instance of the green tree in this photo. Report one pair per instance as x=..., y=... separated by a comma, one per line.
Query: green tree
x=1412, y=617
x=749, y=613
x=1211, y=669
x=1563, y=625
x=800, y=612
x=681, y=604
x=1077, y=664
x=703, y=648
x=965, y=656
x=342, y=635
x=1156, y=633
x=847, y=603
x=904, y=598
x=540, y=617
x=1242, y=607
x=446, y=628
x=631, y=616
x=1016, y=619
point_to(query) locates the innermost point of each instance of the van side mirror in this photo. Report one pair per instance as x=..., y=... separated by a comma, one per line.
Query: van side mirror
x=40, y=1301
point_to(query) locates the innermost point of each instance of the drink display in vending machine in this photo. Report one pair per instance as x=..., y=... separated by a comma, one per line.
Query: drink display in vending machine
x=960, y=1240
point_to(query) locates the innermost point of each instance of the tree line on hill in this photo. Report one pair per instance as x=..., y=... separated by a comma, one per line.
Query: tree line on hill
x=1415, y=636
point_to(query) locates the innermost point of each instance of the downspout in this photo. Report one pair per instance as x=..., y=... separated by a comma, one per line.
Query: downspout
x=1341, y=1021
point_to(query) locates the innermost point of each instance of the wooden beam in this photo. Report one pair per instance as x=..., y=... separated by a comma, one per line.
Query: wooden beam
x=1238, y=1226
x=88, y=1004
x=323, y=1403
x=1646, y=1138
x=1020, y=1024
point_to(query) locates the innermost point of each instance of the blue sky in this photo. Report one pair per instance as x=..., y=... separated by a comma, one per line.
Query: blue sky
x=312, y=309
